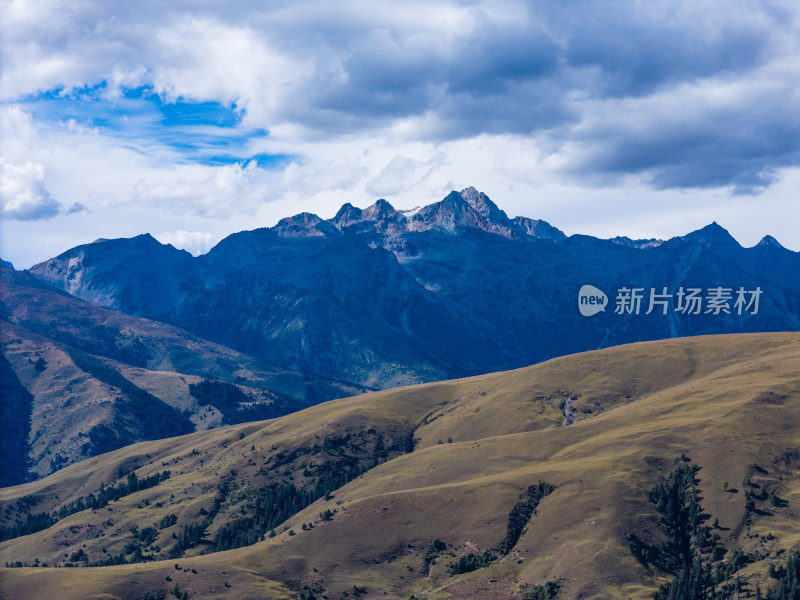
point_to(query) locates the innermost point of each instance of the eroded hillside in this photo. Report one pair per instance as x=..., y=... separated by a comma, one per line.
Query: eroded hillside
x=99, y=379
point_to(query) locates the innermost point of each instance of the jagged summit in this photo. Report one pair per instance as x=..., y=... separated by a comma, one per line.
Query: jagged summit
x=381, y=217
x=450, y=214
x=379, y=211
x=456, y=212
x=346, y=216
x=380, y=297
x=459, y=212
x=622, y=240
x=304, y=225
x=484, y=206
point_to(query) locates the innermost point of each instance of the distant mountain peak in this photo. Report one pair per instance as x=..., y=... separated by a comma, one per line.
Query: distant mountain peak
x=449, y=214
x=145, y=239
x=379, y=211
x=381, y=216
x=538, y=228
x=347, y=215
x=304, y=225
x=453, y=198
x=498, y=221
x=769, y=242
x=715, y=229
x=713, y=235
x=484, y=206
x=457, y=211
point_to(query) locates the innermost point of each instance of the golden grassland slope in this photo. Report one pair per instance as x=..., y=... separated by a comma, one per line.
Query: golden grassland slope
x=726, y=402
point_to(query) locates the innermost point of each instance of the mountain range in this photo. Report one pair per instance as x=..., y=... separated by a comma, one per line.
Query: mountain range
x=381, y=297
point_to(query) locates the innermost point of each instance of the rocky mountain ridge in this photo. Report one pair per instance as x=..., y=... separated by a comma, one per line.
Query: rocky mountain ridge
x=382, y=297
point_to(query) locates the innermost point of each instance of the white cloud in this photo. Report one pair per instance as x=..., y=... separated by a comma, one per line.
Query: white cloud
x=398, y=175
x=17, y=129
x=541, y=107
x=203, y=58
x=217, y=192
x=23, y=195
x=194, y=242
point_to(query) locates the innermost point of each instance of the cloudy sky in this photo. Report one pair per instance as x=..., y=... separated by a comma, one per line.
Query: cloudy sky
x=192, y=120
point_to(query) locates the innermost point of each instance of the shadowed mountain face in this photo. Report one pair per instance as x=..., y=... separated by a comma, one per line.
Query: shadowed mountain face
x=138, y=276
x=77, y=380
x=382, y=297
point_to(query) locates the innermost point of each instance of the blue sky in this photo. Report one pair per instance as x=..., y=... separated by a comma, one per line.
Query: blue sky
x=192, y=120
x=202, y=132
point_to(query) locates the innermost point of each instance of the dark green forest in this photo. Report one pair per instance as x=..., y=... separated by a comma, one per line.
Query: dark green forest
x=153, y=418
x=701, y=569
x=97, y=499
x=235, y=405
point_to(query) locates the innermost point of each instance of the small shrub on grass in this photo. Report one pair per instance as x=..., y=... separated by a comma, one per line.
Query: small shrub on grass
x=472, y=562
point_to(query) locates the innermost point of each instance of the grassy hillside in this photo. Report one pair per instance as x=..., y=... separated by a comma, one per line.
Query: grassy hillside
x=413, y=522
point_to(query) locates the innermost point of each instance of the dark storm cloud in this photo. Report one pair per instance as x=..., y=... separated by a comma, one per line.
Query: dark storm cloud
x=478, y=82
x=736, y=134
x=392, y=74
x=652, y=89
x=641, y=50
